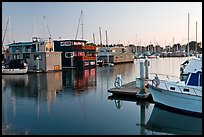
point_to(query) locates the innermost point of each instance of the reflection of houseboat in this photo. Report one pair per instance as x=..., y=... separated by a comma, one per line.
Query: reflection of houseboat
x=75, y=53
x=79, y=80
x=115, y=55
x=39, y=54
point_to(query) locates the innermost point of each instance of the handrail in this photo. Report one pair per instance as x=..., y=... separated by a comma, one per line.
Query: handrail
x=181, y=86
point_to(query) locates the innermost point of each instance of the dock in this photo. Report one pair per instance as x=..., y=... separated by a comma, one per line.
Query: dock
x=130, y=89
x=137, y=88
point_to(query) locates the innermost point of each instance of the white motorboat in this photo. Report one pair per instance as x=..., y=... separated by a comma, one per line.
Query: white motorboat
x=15, y=67
x=185, y=96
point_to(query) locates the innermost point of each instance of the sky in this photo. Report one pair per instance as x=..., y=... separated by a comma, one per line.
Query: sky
x=138, y=23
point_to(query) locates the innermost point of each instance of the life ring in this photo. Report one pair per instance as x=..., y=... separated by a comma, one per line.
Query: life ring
x=118, y=82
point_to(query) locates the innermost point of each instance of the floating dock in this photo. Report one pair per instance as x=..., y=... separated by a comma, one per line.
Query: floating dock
x=130, y=89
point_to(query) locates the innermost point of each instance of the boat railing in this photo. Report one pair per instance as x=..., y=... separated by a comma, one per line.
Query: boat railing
x=164, y=77
x=183, y=89
x=173, y=86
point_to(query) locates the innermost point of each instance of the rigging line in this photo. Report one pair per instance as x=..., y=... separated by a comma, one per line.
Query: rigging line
x=5, y=32
x=48, y=30
x=78, y=28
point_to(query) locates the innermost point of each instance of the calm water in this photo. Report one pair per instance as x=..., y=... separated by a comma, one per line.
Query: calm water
x=76, y=102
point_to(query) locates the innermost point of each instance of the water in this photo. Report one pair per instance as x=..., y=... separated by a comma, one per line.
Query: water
x=75, y=102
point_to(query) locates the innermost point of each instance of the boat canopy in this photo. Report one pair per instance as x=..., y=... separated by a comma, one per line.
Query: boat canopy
x=194, y=79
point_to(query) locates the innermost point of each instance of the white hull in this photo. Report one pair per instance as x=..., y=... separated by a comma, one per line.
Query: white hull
x=180, y=101
x=14, y=71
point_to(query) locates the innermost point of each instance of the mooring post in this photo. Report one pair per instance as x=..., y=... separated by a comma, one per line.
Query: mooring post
x=146, y=68
x=142, y=75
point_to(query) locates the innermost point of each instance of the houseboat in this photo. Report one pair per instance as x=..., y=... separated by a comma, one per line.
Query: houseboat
x=115, y=55
x=39, y=54
x=76, y=53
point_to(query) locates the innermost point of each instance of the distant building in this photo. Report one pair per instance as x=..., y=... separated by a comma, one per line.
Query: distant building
x=75, y=53
x=115, y=55
x=39, y=54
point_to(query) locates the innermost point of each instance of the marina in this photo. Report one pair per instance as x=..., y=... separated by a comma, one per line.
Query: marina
x=143, y=76
x=38, y=98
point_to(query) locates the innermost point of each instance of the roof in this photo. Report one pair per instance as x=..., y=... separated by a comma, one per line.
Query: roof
x=22, y=44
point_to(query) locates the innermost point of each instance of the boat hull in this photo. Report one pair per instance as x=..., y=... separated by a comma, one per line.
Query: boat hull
x=178, y=101
x=14, y=71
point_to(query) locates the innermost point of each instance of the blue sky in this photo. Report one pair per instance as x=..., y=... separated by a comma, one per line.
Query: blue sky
x=126, y=22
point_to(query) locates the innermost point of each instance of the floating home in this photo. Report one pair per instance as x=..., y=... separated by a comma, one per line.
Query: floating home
x=115, y=55
x=76, y=53
x=39, y=54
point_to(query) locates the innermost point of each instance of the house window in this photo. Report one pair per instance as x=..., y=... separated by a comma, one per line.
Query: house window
x=26, y=56
x=16, y=56
x=68, y=54
x=66, y=43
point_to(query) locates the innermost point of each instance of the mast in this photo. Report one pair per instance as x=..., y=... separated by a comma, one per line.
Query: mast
x=100, y=36
x=196, y=37
x=107, y=38
x=93, y=38
x=107, y=46
x=9, y=28
x=188, y=36
x=35, y=35
x=44, y=34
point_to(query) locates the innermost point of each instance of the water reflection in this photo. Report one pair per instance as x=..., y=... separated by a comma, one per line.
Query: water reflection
x=143, y=105
x=79, y=79
x=160, y=121
x=170, y=122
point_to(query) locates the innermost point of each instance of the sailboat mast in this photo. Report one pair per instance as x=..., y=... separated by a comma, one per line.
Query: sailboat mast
x=106, y=38
x=188, y=35
x=93, y=38
x=44, y=28
x=35, y=35
x=196, y=37
x=100, y=36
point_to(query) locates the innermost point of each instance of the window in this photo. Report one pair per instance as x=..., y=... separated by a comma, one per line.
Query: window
x=66, y=43
x=186, y=89
x=172, y=88
x=68, y=54
x=26, y=56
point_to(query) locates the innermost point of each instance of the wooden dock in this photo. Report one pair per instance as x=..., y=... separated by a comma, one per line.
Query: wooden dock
x=130, y=89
